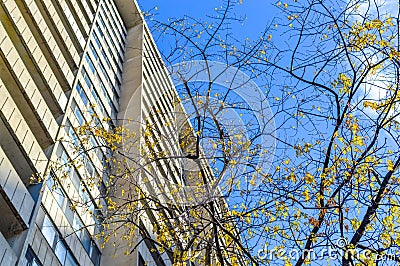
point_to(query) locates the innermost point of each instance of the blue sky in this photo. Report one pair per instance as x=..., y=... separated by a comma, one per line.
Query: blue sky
x=258, y=13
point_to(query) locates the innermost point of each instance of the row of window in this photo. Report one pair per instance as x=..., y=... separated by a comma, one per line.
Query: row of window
x=57, y=243
x=104, y=74
x=113, y=76
x=98, y=152
x=113, y=27
x=115, y=55
x=81, y=188
x=92, y=89
x=115, y=17
x=73, y=218
x=109, y=29
x=90, y=169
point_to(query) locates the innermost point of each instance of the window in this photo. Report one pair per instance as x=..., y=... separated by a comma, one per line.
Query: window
x=69, y=213
x=82, y=94
x=64, y=158
x=94, y=52
x=58, y=244
x=96, y=39
x=102, y=22
x=60, y=250
x=87, y=242
x=95, y=254
x=77, y=112
x=117, y=17
x=71, y=133
x=98, y=101
x=56, y=190
x=53, y=237
x=77, y=225
x=31, y=258
x=104, y=72
x=104, y=91
x=75, y=179
x=86, y=78
x=90, y=63
x=106, y=59
x=98, y=62
x=69, y=260
x=62, y=201
x=48, y=231
x=99, y=29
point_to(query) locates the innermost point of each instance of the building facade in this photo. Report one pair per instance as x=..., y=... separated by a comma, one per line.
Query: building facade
x=64, y=62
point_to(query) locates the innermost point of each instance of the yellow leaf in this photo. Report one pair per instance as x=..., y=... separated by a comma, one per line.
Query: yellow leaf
x=390, y=165
x=309, y=178
x=306, y=195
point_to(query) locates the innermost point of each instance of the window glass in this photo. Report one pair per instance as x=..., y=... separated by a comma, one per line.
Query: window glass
x=77, y=225
x=56, y=191
x=71, y=133
x=94, y=53
x=31, y=258
x=57, y=243
x=61, y=251
x=98, y=101
x=90, y=63
x=106, y=59
x=84, y=195
x=102, y=22
x=95, y=254
x=77, y=112
x=86, y=78
x=69, y=213
x=141, y=260
x=82, y=93
x=97, y=221
x=96, y=39
x=69, y=260
x=76, y=181
x=85, y=239
x=48, y=231
x=104, y=72
x=63, y=158
x=99, y=29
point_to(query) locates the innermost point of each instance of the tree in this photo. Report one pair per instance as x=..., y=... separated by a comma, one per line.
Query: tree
x=333, y=88
x=342, y=74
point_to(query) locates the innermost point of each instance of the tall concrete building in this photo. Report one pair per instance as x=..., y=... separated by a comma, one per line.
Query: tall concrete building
x=61, y=62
